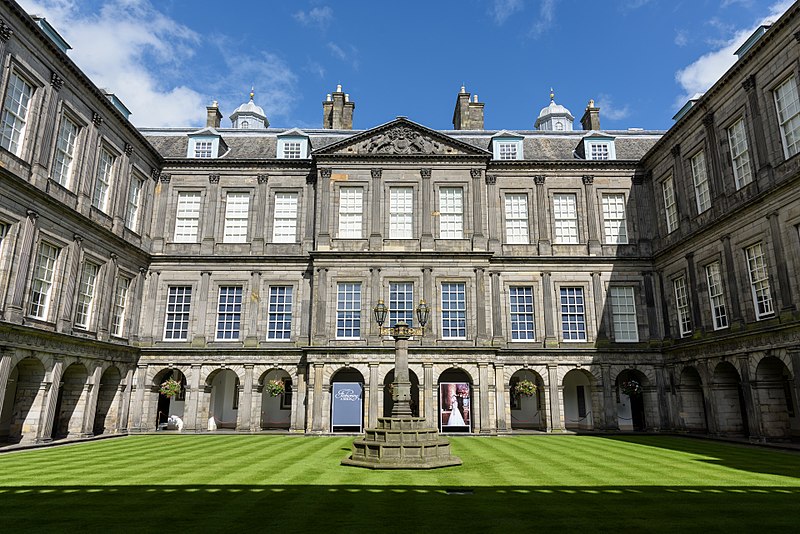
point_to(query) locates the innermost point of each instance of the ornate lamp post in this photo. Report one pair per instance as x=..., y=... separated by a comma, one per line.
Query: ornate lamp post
x=401, y=332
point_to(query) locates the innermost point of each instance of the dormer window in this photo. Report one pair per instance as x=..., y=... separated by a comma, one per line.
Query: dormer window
x=507, y=150
x=599, y=151
x=293, y=145
x=597, y=146
x=507, y=146
x=202, y=149
x=205, y=144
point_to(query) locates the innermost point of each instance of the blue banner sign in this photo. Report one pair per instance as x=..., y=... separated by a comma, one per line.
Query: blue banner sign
x=348, y=402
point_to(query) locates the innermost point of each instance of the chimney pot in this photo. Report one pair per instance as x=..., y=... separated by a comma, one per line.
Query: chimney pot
x=339, y=88
x=213, y=115
x=591, y=117
x=337, y=110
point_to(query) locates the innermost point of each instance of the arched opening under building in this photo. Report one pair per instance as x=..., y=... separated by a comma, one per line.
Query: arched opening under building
x=167, y=406
x=577, y=396
x=223, y=404
x=455, y=401
x=347, y=401
x=276, y=408
x=775, y=398
x=388, y=403
x=109, y=398
x=71, y=404
x=527, y=411
x=690, y=398
x=631, y=390
x=729, y=401
x=23, y=402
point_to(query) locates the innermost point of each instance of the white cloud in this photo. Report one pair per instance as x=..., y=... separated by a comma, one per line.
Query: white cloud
x=349, y=55
x=501, y=10
x=318, y=16
x=609, y=110
x=681, y=38
x=315, y=68
x=700, y=75
x=547, y=12
x=118, y=48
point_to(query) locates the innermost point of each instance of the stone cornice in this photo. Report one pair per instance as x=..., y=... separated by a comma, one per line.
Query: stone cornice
x=36, y=339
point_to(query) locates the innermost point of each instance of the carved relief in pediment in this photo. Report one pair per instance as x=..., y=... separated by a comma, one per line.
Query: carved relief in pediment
x=400, y=140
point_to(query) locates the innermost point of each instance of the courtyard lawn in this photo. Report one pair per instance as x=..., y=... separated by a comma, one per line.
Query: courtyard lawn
x=175, y=483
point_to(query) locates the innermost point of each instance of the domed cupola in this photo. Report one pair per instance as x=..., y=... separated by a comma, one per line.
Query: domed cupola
x=554, y=117
x=249, y=116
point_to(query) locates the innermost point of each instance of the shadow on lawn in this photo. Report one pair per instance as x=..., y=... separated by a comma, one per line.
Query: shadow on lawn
x=743, y=457
x=395, y=509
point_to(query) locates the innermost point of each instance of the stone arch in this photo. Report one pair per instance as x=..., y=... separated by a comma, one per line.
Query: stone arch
x=160, y=407
x=637, y=399
x=541, y=370
x=344, y=416
x=221, y=394
x=527, y=412
x=109, y=401
x=24, y=400
x=388, y=402
x=775, y=393
x=692, y=409
x=71, y=404
x=457, y=411
x=728, y=398
x=470, y=370
x=577, y=387
x=329, y=371
x=276, y=411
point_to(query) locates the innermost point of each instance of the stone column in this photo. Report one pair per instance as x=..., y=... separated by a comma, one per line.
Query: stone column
x=14, y=312
x=760, y=154
x=71, y=279
x=200, y=333
x=133, y=311
x=664, y=308
x=138, y=404
x=309, y=225
x=245, y=423
x=5, y=34
x=375, y=391
x=194, y=393
x=210, y=218
x=731, y=285
x=609, y=399
x=654, y=332
x=497, y=311
x=550, y=339
x=260, y=207
x=106, y=297
x=376, y=224
x=682, y=189
x=428, y=295
x=483, y=388
x=753, y=415
x=299, y=401
x=598, y=294
x=161, y=233
x=149, y=310
x=305, y=318
x=492, y=204
x=376, y=293
x=428, y=396
x=320, y=331
x=324, y=209
x=49, y=409
x=426, y=239
x=556, y=423
x=541, y=216
x=478, y=239
x=254, y=317
x=661, y=387
x=591, y=216
x=784, y=289
x=125, y=404
x=118, y=194
x=316, y=411
x=5, y=372
x=500, y=397
x=90, y=409
x=644, y=212
x=715, y=162
x=482, y=338
x=47, y=125
x=694, y=304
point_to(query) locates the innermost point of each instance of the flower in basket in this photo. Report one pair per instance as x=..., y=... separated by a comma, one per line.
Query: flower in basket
x=631, y=388
x=525, y=387
x=275, y=388
x=170, y=388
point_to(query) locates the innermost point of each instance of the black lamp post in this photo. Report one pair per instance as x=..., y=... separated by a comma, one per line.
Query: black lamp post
x=401, y=332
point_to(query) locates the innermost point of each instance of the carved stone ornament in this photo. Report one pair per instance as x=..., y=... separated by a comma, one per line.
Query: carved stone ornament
x=165, y=177
x=638, y=178
x=56, y=81
x=376, y=173
x=676, y=150
x=708, y=119
x=311, y=178
x=5, y=31
x=213, y=178
x=128, y=149
x=263, y=178
x=539, y=179
x=475, y=173
x=400, y=140
x=154, y=174
x=97, y=120
x=749, y=83
x=425, y=173
x=325, y=174
x=588, y=179
x=797, y=36
x=491, y=179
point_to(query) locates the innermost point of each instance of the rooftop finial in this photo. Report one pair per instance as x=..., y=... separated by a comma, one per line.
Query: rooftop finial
x=552, y=95
x=252, y=92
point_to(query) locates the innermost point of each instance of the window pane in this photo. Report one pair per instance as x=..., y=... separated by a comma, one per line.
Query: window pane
x=623, y=311
x=348, y=311
x=187, y=217
x=284, y=228
x=454, y=310
x=521, y=308
x=759, y=281
x=700, y=178
x=401, y=210
x=517, y=218
x=237, y=211
x=179, y=301
x=350, y=212
x=15, y=113
x=279, y=317
x=451, y=213
x=565, y=216
x=42, y=281
x=573, y=321
x=614, y=227
x=229, y=312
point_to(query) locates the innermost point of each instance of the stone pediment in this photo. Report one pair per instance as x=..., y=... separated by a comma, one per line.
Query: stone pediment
x=401, y=137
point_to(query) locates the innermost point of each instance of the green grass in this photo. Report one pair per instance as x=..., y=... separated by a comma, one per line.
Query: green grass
x=295, y=484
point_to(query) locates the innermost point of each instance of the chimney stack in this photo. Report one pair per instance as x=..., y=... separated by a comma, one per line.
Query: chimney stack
x=337, y=110
x=213, y=115
x=591, y=117
x=468, y=114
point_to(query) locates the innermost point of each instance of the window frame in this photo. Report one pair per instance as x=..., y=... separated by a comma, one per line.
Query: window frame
x=627, y=316
x=228, y=326
x=459, y=313
x=739, y=152
x=702, y=189
x=182, y=316
x=118, y=313
x=401, y=212
x=683, y=305
x=761, y=285
x=351, y=212
x=15, y=70
x=401, y=309
x=451, y=219
x=561, y=219
x=609, y=220
x=66, y=173
x=789, y=149
x=515, y=222
x=181, y=222
x=133, y=204
x=283, y=304
x=107, y=169
x=565, y=314
x=526, y=316
x=236, y=217
x=716, y=295
x=86, y=293
x=283, y=214
x=670, y=204
x=345, y=289
x=47, y=295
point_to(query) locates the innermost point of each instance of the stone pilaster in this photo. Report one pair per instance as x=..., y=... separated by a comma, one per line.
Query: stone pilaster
x=428, y=394
x=245, y=423
x=697, y=318
x=644, y=211
x=310, y=200
x=71, y=280
x=375, y=392
x=305, y=319
x=500, y=398
x=731, y=285
x=125, y=404
x=376, y=224
x=106, y=297
x=664, y=306
x=162, y=194
x=714, y=159
x=299, y=407
x=599, y=297
x=748, y=393
x=200, y=333
x=261, y=205
x=210, y=218
x=760, y=154
x=550, y=339
x=376, y=293
x=320, y=327
x=324, y=209
x=663, y=396
x=5, y=372
x=141, y=386
x=194, y=392
x=316, y=411
x=482, y=338
x=254, y=311
x=426, y=239
x=609, y=399
x=592, y=221
x=479, y=241
x=541, y=216
x=498, y=340
x=47, y=127
x=680, y=186
x=483, y=388
x=90, y=410
x=53, y=385
x=653, y=328
x=493, y=202
x=556, y=421
x=25, y=240
x=784, y=289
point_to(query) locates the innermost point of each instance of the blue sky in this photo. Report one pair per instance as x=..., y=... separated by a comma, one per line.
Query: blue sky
x=638, y=59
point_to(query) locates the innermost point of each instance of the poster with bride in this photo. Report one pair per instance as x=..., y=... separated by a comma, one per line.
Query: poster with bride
x=454, y=406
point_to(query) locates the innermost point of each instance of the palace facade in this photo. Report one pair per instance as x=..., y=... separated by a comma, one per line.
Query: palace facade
x=641, y=280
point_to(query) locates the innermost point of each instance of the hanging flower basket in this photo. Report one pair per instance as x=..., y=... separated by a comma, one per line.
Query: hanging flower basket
x=275, y=388
x=170, y=388
x=631, y=388
x=525, y=387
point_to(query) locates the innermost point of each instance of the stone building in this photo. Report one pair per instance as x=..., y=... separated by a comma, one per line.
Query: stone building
x=641, y=280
